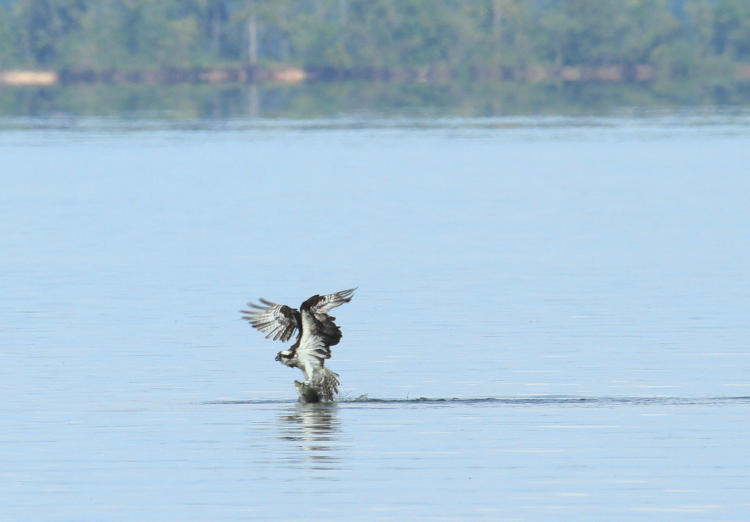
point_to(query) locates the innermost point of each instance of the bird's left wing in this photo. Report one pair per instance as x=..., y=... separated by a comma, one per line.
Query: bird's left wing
x=280, y=321
x=325, y=303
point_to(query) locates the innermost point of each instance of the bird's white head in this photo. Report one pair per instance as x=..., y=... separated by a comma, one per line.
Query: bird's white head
x=285, y=357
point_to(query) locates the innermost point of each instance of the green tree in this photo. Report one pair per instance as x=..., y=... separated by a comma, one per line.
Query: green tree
x=41, y=26
x=731, y=28
x=678, y=37
x=6, y=41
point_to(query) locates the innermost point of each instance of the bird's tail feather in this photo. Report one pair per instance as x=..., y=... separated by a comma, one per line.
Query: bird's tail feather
x=327, y=383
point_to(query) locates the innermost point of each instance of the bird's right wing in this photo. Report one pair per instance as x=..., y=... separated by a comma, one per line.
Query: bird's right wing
x=280, y=321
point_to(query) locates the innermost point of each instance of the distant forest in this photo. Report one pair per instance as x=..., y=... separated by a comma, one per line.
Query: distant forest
x=676, y=38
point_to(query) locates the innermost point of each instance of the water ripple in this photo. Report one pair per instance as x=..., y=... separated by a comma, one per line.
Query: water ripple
x=552, y=400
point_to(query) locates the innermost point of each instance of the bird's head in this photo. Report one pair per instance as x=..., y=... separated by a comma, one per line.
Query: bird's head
x=285, y=357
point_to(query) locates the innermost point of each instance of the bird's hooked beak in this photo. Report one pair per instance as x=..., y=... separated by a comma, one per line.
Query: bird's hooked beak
x=278, y=357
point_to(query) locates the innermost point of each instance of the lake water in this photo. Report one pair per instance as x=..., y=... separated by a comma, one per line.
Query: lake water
x=551, y=320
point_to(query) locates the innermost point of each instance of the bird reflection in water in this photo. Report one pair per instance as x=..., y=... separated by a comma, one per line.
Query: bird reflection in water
x=314, y=430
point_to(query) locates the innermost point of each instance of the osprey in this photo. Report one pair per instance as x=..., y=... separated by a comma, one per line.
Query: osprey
x=316, y=333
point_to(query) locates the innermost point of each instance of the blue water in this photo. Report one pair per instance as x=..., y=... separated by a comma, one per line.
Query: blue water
x=551, y=319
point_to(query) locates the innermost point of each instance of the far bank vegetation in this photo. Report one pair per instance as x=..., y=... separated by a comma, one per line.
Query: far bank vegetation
x=390, y=40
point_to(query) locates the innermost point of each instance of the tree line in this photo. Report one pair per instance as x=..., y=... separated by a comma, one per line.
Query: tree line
x=679, y=38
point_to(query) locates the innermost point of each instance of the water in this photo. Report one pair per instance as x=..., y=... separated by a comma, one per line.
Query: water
x=551, y=319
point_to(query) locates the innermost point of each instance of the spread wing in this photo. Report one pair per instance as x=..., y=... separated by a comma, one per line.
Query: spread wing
x=320, y=305
x=280, y=321
x=312, y=351
x=319, y=332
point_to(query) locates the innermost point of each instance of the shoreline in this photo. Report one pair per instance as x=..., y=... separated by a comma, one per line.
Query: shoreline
x=288, y=75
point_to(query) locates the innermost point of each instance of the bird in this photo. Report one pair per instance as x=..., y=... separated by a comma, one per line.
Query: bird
x=316, y=333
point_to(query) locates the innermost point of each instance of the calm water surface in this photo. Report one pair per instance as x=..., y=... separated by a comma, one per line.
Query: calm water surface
x=570, y=295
